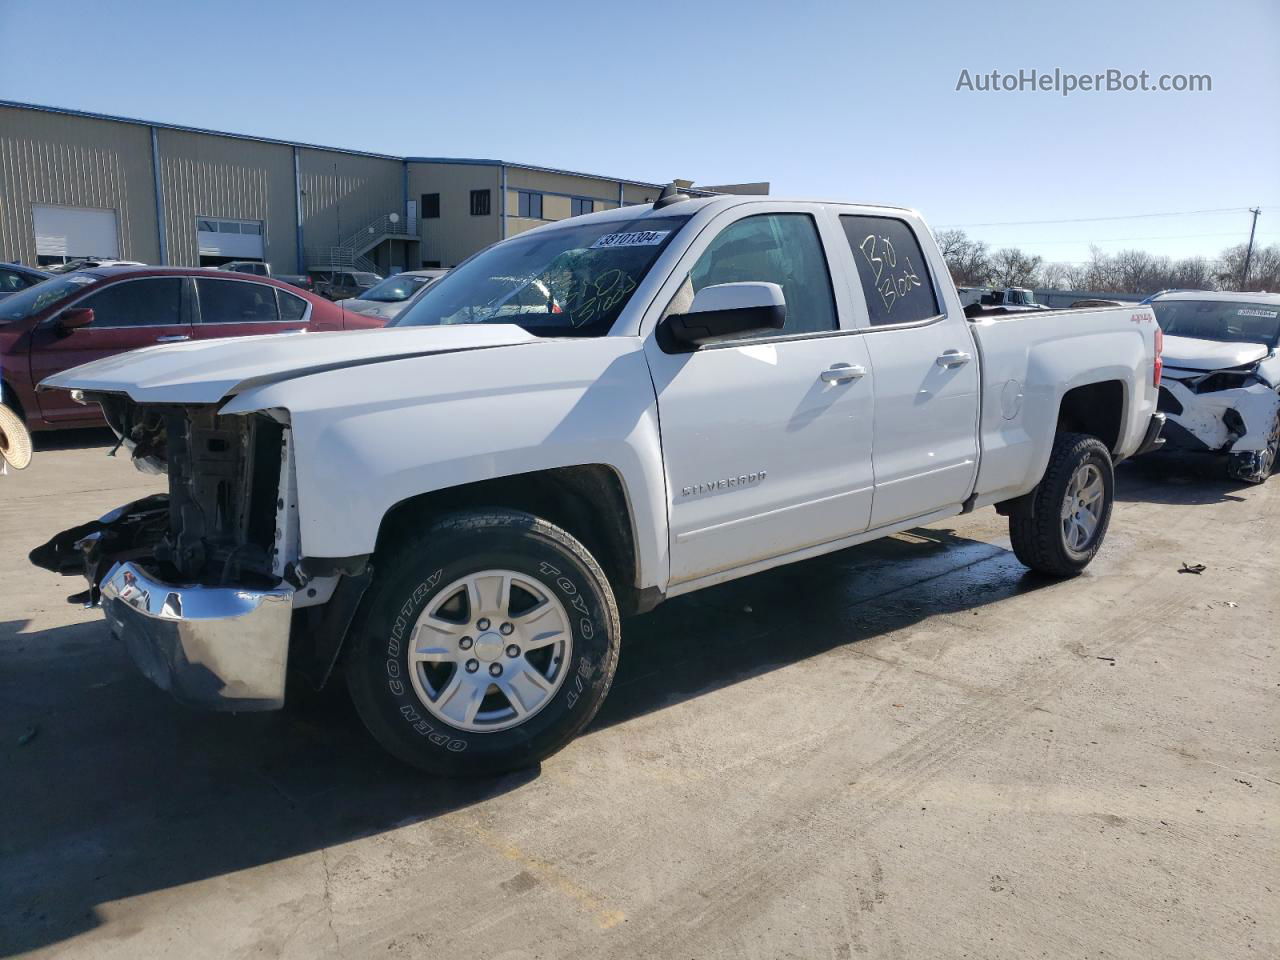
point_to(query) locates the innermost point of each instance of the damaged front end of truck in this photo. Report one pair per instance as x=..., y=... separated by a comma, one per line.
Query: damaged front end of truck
x=1233, y=412
x=204, y=584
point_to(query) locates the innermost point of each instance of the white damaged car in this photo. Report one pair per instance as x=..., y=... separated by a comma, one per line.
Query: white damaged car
x=1221, y=384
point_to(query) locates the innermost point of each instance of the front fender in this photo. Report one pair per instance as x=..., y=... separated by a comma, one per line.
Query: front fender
x=369, y=437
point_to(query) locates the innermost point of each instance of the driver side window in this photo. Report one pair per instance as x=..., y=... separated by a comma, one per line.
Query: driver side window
x=781, y=248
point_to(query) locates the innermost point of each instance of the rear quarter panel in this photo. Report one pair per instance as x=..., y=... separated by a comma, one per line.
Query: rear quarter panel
x=1031, y=360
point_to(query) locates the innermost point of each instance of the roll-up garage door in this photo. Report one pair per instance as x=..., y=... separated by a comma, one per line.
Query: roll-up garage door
x=76, y=232
x=237, y=239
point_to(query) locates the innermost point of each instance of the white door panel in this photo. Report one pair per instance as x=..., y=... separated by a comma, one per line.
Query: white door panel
x=763, y=456
x=926, y=445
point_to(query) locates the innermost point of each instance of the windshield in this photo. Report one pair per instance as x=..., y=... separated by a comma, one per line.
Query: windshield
x=1219, y=320
x=395, y=289
x=571, y=281
x=366, y=279
x=34, y=299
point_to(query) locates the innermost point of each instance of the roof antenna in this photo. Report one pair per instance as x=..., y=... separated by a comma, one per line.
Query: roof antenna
x=670, y=194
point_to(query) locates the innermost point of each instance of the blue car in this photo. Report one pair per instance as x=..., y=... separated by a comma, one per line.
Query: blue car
x=15, y=277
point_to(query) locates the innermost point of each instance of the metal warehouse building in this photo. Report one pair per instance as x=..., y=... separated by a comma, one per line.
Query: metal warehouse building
x=76, y=184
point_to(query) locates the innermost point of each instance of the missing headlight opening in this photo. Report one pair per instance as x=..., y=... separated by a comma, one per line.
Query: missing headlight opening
x=218, y=522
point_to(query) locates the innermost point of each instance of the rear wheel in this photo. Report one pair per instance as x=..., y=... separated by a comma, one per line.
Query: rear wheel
x=1070, y=508
x=487, y=642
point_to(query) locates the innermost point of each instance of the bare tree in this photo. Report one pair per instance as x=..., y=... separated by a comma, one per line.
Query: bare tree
x=1011, y=267
x=1264, y=269
x=1130, y=271
x=1191, y=273
x=1136, y=271
x=967, y=259
x=1056, y=276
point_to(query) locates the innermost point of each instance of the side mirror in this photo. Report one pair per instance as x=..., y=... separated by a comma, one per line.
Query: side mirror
x=729, y=310
x=75, y=318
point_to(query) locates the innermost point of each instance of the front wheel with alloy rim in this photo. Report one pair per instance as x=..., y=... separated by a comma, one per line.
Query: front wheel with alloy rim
x=1070, y=509
x=486, y=643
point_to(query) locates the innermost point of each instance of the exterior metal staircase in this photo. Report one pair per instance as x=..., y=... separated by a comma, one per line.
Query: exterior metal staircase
x=350, y=254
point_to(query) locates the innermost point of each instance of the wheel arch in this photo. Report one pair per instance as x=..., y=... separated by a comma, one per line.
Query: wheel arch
x=590, y=501
x=1098, y=409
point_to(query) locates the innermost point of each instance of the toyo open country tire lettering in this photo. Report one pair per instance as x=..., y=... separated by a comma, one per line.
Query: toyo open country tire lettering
x=1071, y=508
x=486, y=643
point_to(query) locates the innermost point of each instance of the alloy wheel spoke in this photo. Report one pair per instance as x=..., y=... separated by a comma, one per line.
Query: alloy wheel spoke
x=464, y=699
x=438, y=624
x=489, y=594
x=544, y=639
x=513, y=697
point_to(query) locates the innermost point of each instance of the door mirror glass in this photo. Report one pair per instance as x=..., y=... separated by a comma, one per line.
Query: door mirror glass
x=75, y=318
x=729, y=310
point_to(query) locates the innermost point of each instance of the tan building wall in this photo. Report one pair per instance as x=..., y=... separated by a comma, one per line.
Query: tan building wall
x=343, y=193
x=210, y=176
x=47, y=157
x=455, y=234
x=50, y=158
x=558, y=191
x=633, y=193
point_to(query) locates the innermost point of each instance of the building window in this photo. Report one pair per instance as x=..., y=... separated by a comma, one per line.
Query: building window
x=430, y=209
x=530, y=205
x=583, y=205
x=480, y=203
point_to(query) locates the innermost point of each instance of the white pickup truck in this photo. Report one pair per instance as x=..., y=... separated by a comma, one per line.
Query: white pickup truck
x=571, y=426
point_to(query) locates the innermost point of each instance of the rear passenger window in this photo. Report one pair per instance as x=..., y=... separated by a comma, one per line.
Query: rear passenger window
x=895, y=278
x=291, y=308
x=153, y=302
x=236, y=301
x=781, y=248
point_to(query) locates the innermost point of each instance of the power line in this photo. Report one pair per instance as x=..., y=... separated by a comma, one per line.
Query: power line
x=1178, y=236
x=1133, y=216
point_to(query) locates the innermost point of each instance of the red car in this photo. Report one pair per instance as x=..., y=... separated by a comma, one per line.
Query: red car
x=77, y=317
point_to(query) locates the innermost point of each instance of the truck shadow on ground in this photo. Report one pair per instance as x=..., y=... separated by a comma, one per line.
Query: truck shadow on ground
x=78, y=439
x=111, y=790
x=1175, y=479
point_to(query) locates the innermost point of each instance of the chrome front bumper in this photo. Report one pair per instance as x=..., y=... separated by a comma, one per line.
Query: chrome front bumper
x=220, y=648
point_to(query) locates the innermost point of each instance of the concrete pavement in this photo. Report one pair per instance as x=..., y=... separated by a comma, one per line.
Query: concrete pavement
x=911, y=749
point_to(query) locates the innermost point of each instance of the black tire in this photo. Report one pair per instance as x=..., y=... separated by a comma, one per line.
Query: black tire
x=1039, y=540
x=422, y=565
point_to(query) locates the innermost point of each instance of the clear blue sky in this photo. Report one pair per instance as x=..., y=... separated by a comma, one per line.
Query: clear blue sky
x=841, y=100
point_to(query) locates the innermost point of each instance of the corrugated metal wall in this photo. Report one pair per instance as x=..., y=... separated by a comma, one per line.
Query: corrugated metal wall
x=209, y=176
x=78, y=161
x=343, y=193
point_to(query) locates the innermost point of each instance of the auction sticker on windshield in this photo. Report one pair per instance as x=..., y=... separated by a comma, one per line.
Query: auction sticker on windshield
x=640, y=238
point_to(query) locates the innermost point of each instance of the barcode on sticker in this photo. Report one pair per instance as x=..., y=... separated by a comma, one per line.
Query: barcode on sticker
x=640, y=238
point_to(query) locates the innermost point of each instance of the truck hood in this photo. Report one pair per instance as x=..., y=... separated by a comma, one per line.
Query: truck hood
x=1189, y=353
x=207, y=371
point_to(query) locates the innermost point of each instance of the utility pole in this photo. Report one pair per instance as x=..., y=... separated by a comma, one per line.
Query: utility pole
x=1248, y=254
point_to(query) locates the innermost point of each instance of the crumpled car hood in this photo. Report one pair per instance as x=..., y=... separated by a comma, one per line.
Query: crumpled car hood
x=207, y=371
x=1189, y=353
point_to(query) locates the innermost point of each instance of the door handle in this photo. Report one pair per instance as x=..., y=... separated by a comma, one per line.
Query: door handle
x=175, y=338
x=954, y=358
x=840, y=372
